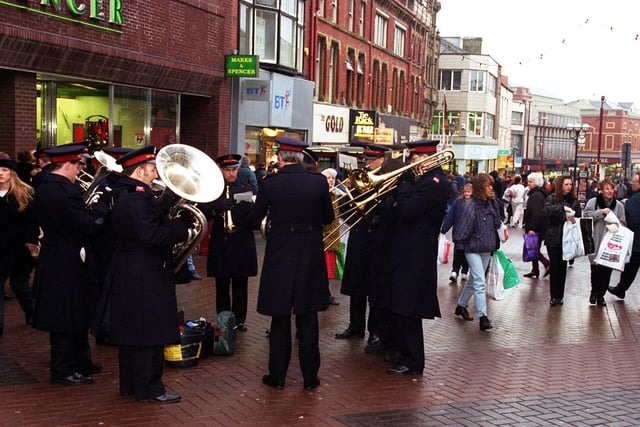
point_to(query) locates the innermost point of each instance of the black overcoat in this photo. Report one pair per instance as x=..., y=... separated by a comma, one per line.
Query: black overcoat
x=140, y=279
x=294, y=272
x=64, y=286
x=231, y=254
x=420, y=208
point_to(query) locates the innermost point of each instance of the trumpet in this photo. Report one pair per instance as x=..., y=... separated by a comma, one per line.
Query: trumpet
x=372, y=187
x=227, y=218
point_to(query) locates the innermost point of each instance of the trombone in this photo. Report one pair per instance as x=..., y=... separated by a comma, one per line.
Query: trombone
x=371, y=188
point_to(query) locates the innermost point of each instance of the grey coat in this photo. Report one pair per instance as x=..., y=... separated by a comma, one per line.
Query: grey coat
x=593, y=209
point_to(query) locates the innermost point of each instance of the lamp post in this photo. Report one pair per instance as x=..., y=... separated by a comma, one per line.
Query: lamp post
x=579, y=130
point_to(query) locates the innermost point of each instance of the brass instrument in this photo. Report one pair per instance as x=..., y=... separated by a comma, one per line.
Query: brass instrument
x=195, y=178
x=227, y=218
x=109, y=166
x=369, y=189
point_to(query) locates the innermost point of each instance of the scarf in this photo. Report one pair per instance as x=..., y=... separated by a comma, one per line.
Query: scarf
x=602, y=203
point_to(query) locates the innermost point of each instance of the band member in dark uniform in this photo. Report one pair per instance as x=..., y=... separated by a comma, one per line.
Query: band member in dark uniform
x=64, y=286
x=355, y=281
x=294, y=273
x=420, y=206
x=232, y=248
x=43, y=167
x=140, y=279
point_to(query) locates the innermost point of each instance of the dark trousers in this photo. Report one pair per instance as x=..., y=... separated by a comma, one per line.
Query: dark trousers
x=358, y=315
x=19, y=283
x=460, y=264
x=630, y=270
x=70, y=353
x=141, y=371
x=411, y=341
x=600, y=278
x=386, y=330
x=280, y=346
x=238, y=289
x=558, y=274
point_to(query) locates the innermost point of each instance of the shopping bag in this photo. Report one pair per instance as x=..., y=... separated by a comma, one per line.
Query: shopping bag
x=614, y=248
x=495, y=279
x=530, y=247
x=572, y=246
x=510, y=278
x=503, y=233
x=340, y=261
x=444, y=249
x=586, y=227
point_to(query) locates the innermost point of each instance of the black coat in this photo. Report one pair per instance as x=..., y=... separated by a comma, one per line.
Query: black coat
x=140, y=280
x=64, y=286
x=14, y=229
x=231, y=254
x=554, y=211
x=420, y=208
x=294, y=272
x=533, y=218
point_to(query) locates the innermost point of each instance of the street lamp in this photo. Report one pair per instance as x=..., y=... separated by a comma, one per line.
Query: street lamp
x=579, y=131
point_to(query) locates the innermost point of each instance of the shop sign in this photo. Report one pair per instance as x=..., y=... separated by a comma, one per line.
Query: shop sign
x=330, y=124
x=94, y=10
x=362, y=125
x=241, y=66
x=383, y=135
x=256, y=90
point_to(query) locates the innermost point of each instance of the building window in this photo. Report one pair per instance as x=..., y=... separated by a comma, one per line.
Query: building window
x=360, y=74
x=491, y=84
x=375, y=85
x=321, y=8
x=334, y=11
x=450, y=80
x=488, y=125
x=363, y=7
x=398, y=46
x=517, y=118
x=384, y=90
x=321, y=69
x=273, y=30
x=381, y=29
x=351, y=11
x=395, y=90
x=334, y=60
x=351, y=64
x=401, y=91
x=476, y=81
x=474, y=124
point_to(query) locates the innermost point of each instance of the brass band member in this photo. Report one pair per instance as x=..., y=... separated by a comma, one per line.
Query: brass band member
x=294, y=273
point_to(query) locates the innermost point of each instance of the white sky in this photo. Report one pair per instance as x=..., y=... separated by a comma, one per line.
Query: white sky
x=571, y=49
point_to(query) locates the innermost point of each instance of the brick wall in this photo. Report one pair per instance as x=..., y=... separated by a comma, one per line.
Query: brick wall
x=17, y=112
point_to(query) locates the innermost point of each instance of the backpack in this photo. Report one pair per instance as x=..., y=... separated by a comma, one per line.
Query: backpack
x=224, y=333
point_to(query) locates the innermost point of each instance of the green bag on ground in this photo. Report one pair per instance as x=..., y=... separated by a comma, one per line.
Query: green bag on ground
x=510, y=273
x=340, y=261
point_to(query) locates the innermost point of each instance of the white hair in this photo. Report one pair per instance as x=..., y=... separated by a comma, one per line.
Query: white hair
x=536, y=178
x=330, y=172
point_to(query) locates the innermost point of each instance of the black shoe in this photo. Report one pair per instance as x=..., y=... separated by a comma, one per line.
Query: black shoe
x=95, y=368
x=163, y=398
x=349, y=333
x=617, y=291
x=241, y=327
x=194, y=276
x=333, y=300
x=313, y=384
x=600, y=301
x=75, y=379
x=556, y=301
x=485, y=323
x=374, y=339
x=462, y=311
x=403, y=370
x=592, y=298
x=532, y=274
x=271, y=382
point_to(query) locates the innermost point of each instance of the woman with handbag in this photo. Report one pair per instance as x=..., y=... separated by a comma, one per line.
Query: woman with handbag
x=535, y=222
x=598, y=208
x=477, y=235
x=561, y=206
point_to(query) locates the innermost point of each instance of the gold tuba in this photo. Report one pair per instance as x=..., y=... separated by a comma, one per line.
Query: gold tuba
x=195, y=178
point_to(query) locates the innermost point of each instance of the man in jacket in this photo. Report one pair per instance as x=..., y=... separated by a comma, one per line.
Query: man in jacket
x=140, y=279
x=632, y=214
x=294, y=272
x=64, y=286
x=420, y=207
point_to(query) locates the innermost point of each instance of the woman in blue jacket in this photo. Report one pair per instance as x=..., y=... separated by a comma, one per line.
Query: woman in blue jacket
x=459, y=264
x=477, y=235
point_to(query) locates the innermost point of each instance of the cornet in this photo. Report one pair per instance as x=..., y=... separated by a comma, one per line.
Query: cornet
x=227, y=218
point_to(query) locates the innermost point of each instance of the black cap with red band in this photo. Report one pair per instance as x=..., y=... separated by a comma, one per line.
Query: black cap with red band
x=423, y=146
x=142, y=155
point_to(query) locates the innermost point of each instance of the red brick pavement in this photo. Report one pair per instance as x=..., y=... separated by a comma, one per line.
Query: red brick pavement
x=533, y=351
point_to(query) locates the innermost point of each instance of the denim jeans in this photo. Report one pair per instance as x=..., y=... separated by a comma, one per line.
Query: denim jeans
x=476, y=284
